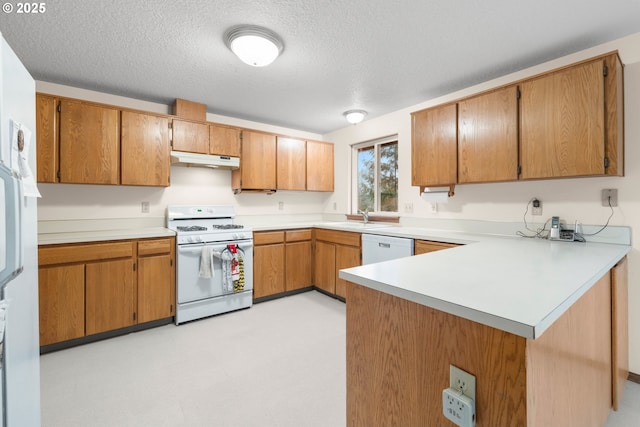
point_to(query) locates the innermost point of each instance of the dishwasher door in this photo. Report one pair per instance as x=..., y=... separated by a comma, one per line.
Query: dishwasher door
x=377, y=248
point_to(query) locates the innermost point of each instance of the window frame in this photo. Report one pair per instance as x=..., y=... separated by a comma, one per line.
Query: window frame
x=376, y=143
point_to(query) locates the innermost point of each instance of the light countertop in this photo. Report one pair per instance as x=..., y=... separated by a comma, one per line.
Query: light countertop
x=103, y=235
x=513, y=284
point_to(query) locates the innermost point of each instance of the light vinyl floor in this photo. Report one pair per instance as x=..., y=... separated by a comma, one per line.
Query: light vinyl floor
x=279, y=363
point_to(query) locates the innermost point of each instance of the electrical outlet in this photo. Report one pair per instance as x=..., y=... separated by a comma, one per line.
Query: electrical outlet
x=280, y=206
x=610, y=193
x=463, y=381
x=144, y=207
x=536, y=207
x=458, y=408
x=335, y=206
x=408, y=208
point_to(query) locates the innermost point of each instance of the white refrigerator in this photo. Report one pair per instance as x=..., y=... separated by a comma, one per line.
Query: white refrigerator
x=20, y=364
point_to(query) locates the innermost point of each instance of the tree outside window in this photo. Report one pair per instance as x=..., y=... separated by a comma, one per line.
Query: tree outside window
x=377, y=176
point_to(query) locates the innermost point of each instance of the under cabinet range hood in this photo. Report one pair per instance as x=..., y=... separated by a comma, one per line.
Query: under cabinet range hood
x=204, y=160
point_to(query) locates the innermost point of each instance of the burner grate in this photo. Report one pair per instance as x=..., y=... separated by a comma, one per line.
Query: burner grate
x=227, y=226
x=191, y=228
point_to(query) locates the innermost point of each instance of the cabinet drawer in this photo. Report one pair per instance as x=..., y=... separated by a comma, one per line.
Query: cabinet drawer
x=48, y=255
x=341, y=237
x=154, y=247
x=268, y=237
x=424, y=246
x=298, y=235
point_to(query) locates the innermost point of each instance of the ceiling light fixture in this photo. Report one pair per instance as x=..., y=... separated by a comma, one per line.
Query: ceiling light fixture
x=254, y=45
x=354, y=116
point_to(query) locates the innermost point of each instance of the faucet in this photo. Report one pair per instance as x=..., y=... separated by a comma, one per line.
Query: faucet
x=365, y=215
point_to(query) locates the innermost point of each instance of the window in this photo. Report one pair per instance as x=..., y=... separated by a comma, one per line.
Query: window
x=375, y=168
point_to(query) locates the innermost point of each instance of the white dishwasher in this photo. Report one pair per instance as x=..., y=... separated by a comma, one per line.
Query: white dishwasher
x=376, y=248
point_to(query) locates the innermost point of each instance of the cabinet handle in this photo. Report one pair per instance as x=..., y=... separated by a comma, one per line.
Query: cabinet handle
x=384, y=245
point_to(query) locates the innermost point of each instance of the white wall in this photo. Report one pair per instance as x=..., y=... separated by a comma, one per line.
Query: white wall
x=571, y=199
x=188, y=185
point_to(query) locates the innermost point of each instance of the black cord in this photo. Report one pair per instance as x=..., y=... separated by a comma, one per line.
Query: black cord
x=539, y=233
x=604, y=226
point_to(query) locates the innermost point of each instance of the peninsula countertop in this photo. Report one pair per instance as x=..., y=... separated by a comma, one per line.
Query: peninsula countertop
x=513, y=284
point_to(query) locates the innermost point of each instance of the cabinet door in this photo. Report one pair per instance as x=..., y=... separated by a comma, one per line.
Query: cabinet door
x=434, y=151
x=145, y=149
x=562, y=123
x=190, y=136
x=224, y=141
x=89, y=143
x=424, y=246
x=346, y=257
x=268, y=270
x=46, y=138
x=109, y=295
x=298, y=265
x=291, y=168
x=320, y=166
x=325, y=266
x=155, y=288
x=257, y=162
x=61, y=303
x=620, y=329
x=488, y=137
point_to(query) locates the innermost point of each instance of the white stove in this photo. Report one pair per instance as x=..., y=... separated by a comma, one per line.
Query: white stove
x=214, y=261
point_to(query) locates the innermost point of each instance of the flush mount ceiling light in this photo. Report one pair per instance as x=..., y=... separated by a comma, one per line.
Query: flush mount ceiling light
x=354, y=116
x=254, y=45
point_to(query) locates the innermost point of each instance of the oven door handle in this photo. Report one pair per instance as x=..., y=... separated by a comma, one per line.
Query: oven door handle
x=197, y=248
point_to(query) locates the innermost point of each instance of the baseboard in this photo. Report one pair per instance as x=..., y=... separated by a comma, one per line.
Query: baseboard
x=104, y=335
x=634, y=377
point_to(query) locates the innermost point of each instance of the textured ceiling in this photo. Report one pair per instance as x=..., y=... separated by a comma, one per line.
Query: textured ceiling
x=377, y=55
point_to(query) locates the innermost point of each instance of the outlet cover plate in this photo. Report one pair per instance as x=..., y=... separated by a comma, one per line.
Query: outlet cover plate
x=610, y=192
x=459, y=379
x=537, y=210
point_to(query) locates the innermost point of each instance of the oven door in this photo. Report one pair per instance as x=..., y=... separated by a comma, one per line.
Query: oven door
x=191, y=287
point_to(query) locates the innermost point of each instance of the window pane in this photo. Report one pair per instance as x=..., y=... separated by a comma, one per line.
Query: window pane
x=389, y=177
x=366, y=177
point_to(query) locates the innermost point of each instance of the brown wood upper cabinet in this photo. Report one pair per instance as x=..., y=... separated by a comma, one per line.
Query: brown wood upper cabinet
x=291, y=164
x=47, y=138
x=257, y=163
x=192, y=137
x=145, y=149
x=89, y=143
x=563, y=123
x=86, y=143
x=488, y=137
x=319, y=166
x=224, y=140
x=434, y=138
x=567, y=119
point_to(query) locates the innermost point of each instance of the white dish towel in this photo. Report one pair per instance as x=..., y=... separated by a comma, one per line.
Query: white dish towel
x=206, y=262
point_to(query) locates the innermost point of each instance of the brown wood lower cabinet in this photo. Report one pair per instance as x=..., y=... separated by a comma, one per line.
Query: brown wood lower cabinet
x=398, y=364
x=281, y=262
x=335, y=250
x=61, y=296
x=156, y=279
x=91, y=288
